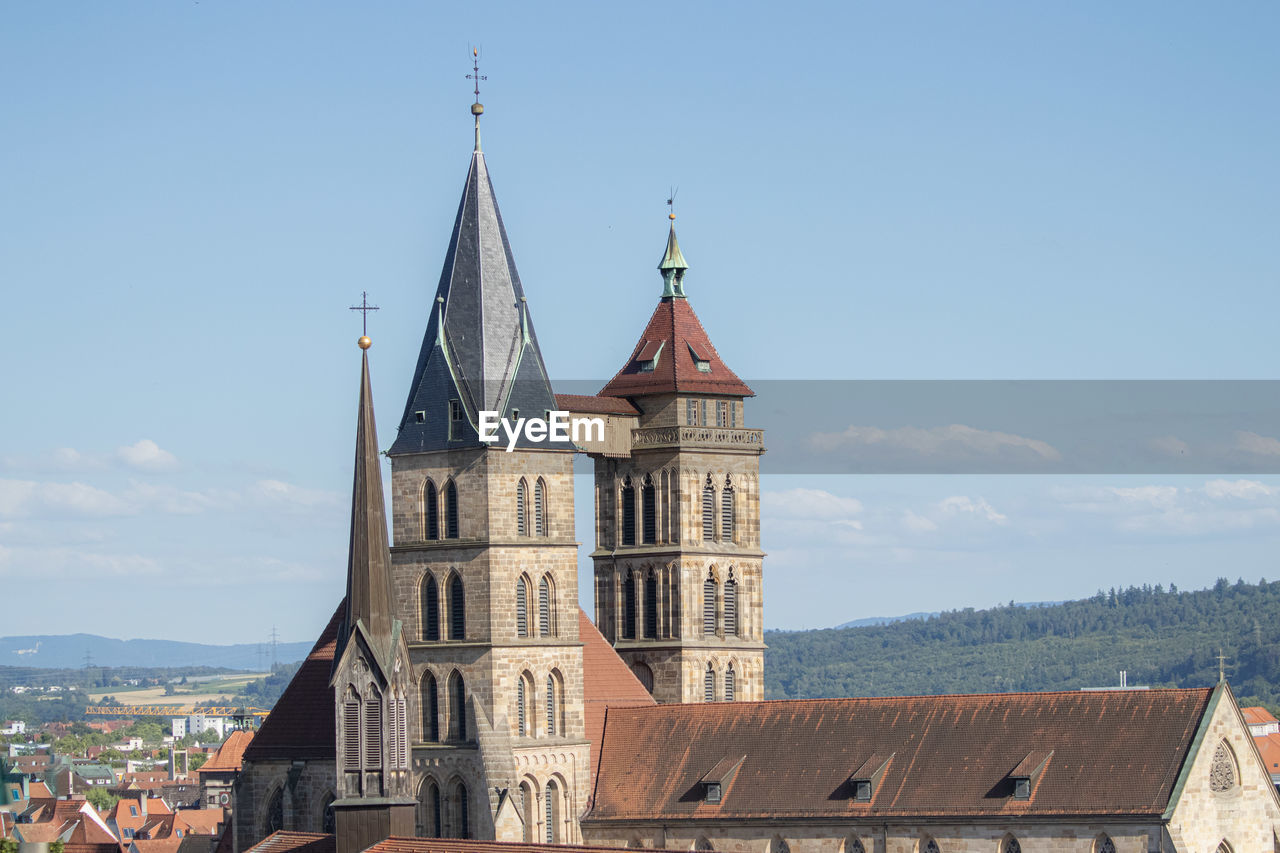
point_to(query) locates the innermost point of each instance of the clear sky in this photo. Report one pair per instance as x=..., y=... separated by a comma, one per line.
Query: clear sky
x=191, y=193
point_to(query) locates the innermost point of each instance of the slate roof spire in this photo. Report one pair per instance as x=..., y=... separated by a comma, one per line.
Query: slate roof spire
x=480, y=348
x=673, y=265
x=369, y=598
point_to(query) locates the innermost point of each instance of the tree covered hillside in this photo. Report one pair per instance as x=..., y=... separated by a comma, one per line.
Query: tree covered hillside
x=1163, y=638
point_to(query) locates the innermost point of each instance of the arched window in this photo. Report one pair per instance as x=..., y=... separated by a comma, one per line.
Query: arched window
x=854, y=845
x=522, y=503
x=708, y=511
x=649, y=511
x=523, y=692
x=779, y=845
x=709, y=684
x=703, y=844
x=555, y=704
x=670, y=601
x=430, y=608
x=1222, y=771
x=457, y=708
x=527, y=809
x=274, y=816
x=431, y=503
x=643, y=674
x=429, y=809
x=726, y=512
x=731, y=606
x=430, y=709
x=522, y=606
x=462, y=817
x=1104, y=844
x=372, y=728
x=929, y=846
x=451, y=510
x=709, y=606
x=629, y=606
x=1010, y=845
x=457, y=609
x=546, y=613
x=730, y=683
x=628, y=512
x=540, y=508
x=651, y=605
x=401, y=758
x=328, y=818
x=351, y=731
x=552, y=808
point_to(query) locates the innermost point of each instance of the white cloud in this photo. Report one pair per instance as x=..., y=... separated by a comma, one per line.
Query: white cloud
x=279, y=493
x=955, y=440
x=963, y=505
x=146, y=455
x=59, y=563
x=917, y=523
x=1258, y=445
x=1241, y=489
x=26, y=498
x=808, y=504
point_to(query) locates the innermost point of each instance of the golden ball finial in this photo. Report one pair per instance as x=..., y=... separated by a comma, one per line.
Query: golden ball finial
x=671, y=216
x=477, y=109
x=364, y=342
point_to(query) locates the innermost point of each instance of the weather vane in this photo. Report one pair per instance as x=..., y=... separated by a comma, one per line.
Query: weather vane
x=364, y=308
x=475, y=71
x=671, y=202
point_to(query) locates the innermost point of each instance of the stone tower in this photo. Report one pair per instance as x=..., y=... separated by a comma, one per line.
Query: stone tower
x=371, y=673
x=485, y=558
x=677, y=559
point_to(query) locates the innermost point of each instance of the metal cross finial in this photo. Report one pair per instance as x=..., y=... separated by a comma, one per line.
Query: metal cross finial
x=475, y=71
x=1222, y=666
x=671, y=202
x=364, y=308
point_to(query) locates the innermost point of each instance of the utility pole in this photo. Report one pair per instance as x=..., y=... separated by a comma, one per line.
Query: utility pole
x=275, y=641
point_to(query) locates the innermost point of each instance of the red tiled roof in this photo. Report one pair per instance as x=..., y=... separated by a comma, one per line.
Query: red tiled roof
x=295, y=842
x=1256, y=715
x=455, y=845
x=167, y=844
x=230, y=754
x=39, y=789
x=1269, y=748
x=1114, y=753
x=675, y=326
x=606, y=681
x=595, y=405
x=199, y=821
x=301, y=723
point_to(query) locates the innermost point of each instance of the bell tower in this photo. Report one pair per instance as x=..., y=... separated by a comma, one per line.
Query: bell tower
x=678, y=565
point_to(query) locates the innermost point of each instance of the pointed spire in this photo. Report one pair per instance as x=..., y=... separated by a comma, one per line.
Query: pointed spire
x=673, y=265
x=369, y=599
x=477, y=109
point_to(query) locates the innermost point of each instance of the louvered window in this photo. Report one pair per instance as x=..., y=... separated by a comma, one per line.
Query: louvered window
x=733, y=415
x=730, y=684
x=430, y=709
x=373, y=733
x=691, y=412
x=522, y=519
x=722, y=413
x=708, y=513
x=708, y=608
x=457, y=708
x=549, y=807
x=522, y=609
x=726, y=515
x=629, y=607
x=432, y=500
x=650, y=508
x=451, y=510
x=704, y=420
x=351, y=734
x=403, y=729
x=540, y=509
x=430, y=609
x=731, y=607
x=457, y=610
x=520, y=708
x=545, y=625
x=551, y=704
x=628, y=514
x=464, y=812
x=709, y=685
x=651, y=606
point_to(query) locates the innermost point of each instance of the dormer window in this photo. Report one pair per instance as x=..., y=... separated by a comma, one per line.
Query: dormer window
x=866, y=777
x=862, y=790
x=1027, y=773
x=647, y=358
x=700, y=359
x=455, y=420
x=714, y=781
x=712, y=792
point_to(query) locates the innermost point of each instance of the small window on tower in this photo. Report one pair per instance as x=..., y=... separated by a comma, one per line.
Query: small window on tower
x=722, y=413
x=455, y=420
x=691, y=412
x=420, y=417
x=647, y=358
x=700, y=359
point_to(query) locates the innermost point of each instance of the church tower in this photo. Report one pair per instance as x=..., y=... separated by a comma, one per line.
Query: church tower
x=677, y=559
x=371, y=673
x=485, y=558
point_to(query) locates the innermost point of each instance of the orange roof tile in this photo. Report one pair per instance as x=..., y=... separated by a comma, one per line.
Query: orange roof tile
x=606, y=681
x=1114, y=753
x=1269, y=747
x=230, y=754
x=456, y=845
x=167, y=844
x=294, y=842
x=1257, y=715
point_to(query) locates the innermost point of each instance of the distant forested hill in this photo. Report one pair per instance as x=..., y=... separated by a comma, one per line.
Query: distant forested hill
x=1164, y=638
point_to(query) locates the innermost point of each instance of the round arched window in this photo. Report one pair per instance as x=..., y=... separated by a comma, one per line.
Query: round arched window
x=1222, y=772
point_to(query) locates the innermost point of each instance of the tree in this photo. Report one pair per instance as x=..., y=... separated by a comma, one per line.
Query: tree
x=197, y=761
x=101, y=799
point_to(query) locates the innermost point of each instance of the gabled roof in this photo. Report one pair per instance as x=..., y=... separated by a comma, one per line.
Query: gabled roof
x=480, y=347
x=230, y=753
x=1113, y=753
x=606, y=681
x=1257, y=715
x=680, y=333
x=589, y=404
x=1269, y=749
x=301, y=723
x=294, y=842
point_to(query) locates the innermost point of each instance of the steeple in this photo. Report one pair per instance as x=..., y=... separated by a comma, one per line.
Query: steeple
x=369, y=598
x=673, y=265
x=480, y=350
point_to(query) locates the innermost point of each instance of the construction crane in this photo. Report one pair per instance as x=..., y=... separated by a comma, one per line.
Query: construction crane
x=241, y=713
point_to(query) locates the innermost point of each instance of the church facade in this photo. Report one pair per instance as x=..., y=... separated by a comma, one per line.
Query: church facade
x=458, y=690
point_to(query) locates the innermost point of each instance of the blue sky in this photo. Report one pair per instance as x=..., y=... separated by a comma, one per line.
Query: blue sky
x=192, y=193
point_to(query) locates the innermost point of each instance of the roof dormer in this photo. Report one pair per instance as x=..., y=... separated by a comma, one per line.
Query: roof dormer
x=866, y=778
x=1025, y=776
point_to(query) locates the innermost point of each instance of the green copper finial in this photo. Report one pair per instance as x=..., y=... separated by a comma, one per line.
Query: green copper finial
x=673, y=265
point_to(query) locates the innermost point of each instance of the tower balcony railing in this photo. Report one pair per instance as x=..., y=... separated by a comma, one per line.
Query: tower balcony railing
x=698, y=436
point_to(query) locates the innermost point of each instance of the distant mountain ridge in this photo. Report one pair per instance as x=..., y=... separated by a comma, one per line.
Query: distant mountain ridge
x=67, y=651
x=889, y=620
